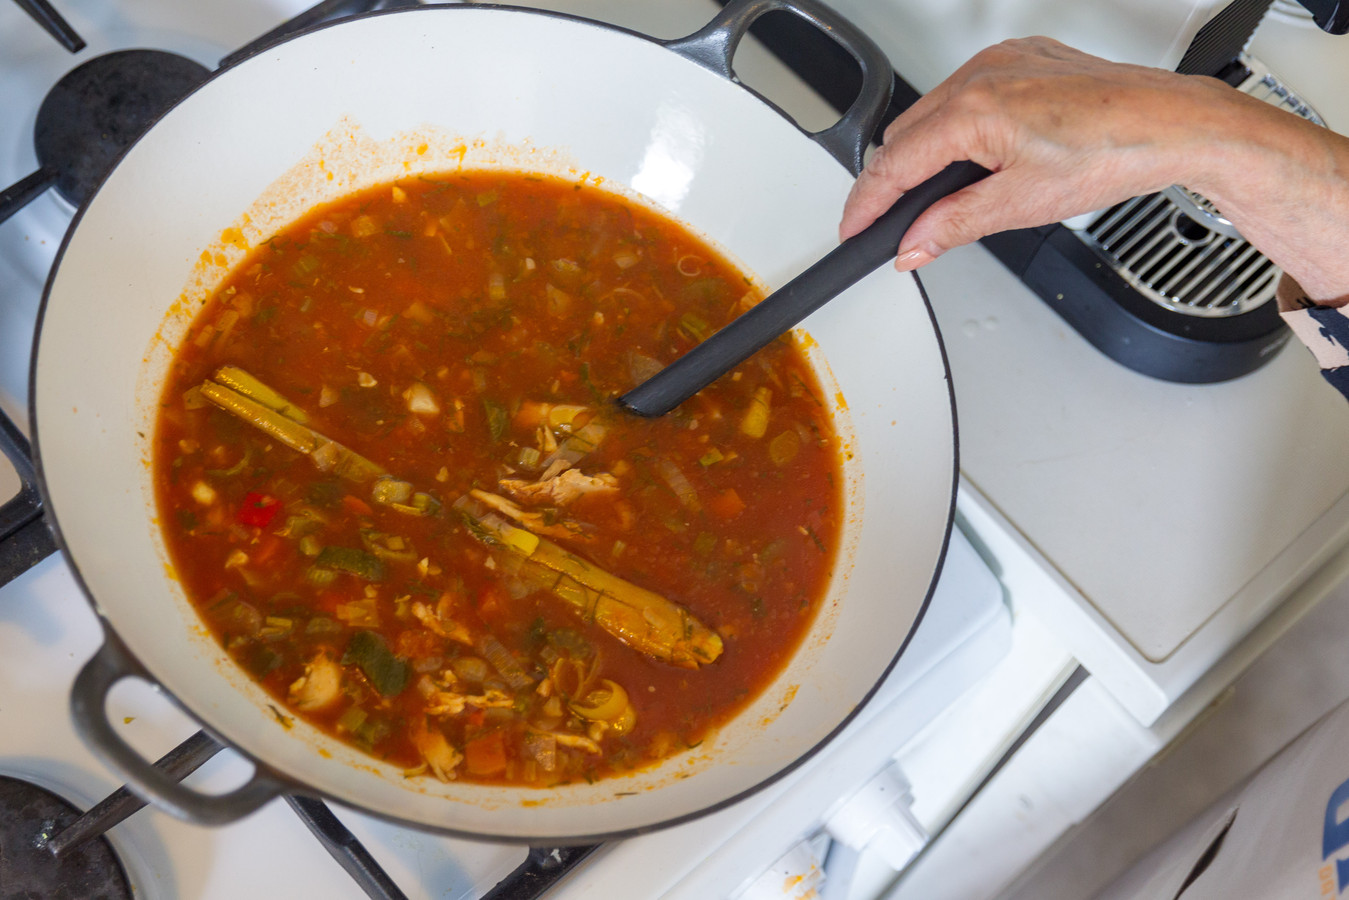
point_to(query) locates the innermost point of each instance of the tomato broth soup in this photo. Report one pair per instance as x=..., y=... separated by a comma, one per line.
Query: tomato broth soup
x=394, y=482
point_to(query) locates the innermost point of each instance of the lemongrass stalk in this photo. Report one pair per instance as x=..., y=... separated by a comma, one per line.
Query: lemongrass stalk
x=329, y=455
x=237, y=379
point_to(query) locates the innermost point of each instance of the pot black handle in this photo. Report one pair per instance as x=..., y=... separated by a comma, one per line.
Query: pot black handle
x=121, y=804
x=88, y=706
x=713, y=47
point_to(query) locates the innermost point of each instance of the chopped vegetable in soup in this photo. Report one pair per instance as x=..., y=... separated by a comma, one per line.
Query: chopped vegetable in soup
x=395, y=484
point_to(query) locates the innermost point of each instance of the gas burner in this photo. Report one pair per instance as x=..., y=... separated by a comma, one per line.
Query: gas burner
x=29, y=867
x=93, y=114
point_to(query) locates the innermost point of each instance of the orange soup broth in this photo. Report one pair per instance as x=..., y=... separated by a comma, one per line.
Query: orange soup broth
x=493, y=291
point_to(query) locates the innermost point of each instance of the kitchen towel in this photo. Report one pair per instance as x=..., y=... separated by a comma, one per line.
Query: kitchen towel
x=1281, y=835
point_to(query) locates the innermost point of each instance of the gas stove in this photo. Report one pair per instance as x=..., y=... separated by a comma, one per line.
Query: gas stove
x=1150, y=539
x=151, y=52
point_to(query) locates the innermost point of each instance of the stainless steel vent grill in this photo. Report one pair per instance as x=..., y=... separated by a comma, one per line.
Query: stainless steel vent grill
x=1175, y=247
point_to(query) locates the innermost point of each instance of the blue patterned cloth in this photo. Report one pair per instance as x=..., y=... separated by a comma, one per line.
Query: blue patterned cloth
x=1324, y=329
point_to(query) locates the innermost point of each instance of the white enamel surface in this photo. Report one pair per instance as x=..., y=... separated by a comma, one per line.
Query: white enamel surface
x=611, y=105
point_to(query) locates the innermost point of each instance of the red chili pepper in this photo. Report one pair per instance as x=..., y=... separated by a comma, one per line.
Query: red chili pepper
x=258, y=509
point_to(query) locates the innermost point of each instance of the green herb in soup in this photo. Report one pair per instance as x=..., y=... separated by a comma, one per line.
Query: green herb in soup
x=395, y=484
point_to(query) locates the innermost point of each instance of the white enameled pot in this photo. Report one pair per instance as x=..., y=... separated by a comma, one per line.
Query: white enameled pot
x=374, y=98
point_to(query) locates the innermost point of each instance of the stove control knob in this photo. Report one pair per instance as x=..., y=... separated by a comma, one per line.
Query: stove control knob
x=879, y=819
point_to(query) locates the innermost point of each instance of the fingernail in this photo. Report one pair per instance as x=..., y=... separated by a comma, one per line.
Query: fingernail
x=911, y=259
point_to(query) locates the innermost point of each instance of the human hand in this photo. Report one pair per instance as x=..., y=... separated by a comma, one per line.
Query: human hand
x=1065, y=133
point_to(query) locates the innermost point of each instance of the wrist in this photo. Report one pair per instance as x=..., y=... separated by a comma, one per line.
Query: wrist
x=1235, y=143
x=1283, y=182
x=1291, y=296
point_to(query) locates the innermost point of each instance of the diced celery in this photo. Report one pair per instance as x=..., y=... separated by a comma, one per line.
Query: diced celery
x=352, y=561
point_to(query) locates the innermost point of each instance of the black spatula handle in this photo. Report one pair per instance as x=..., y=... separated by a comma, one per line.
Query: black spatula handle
x=839, y=270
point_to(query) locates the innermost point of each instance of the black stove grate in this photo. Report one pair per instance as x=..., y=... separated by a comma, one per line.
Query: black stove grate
x=25, y=539
x=53, y=23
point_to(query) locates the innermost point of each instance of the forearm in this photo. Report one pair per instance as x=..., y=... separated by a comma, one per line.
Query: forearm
x=1065, y=133
x=1284, y=183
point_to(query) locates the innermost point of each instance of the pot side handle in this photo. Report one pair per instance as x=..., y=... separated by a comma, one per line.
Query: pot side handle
x=713, y=47
x=88, y=706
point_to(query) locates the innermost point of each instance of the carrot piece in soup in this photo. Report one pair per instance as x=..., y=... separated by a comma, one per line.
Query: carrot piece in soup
x=726, y=504
x=486, y=755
